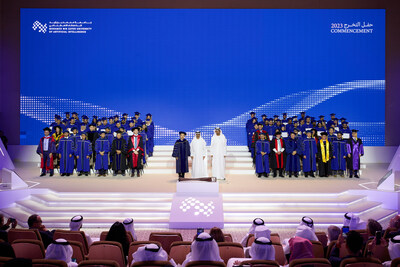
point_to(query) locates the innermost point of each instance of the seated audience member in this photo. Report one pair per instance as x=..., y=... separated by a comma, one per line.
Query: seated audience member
x=333, y=233
x=261, y=249
x=394, y=227
x=300, y=248
x=203, y=248
x=61, y=250
x=217, y=234
x=373, y=227
x=353, y=222
x=35, y=222
x=151, y=252
x=76, y=224
x=354, y=244
x=302, y=231
x=129, y=227
x=117, y=233
x=4, y=226
x=260, y=231
x=394, y=250
x=6, y=250
x=256, y=222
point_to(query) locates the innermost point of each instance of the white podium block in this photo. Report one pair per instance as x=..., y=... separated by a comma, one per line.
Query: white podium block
x=10, y=180
x=194, y=187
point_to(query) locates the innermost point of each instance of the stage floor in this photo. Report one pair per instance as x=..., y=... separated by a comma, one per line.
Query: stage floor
x=234, y=183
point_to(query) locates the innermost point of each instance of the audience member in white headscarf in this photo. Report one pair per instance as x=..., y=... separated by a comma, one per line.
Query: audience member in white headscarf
x=304, y=230
x=260, y=231
x=60, y=249
x=203, y=248
x=261, y=249
x=129, y=227
x=151, y=252
x=76, y=224
x=256, y=222
x=353, y=222
x=394, y=250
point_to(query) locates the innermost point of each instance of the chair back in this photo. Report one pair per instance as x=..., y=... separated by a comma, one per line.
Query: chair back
x=179, y=250
x=314, y=262
x=15, y=234
x=107, y=250
x=318, y=249
x=98, y=263
x=104, y=234
x=229, y=250
x=380, y=252
x=152, y=263
x=133, y=247
x=4, y=260
x=279, y=254
x=205, y=264
x=78, y=236
x=343, y=251
x=166, y=239
x=361, y=262
x=260, y=263
x=323, y=238
x=48, y=263
x=28, y=249
x=77, y=251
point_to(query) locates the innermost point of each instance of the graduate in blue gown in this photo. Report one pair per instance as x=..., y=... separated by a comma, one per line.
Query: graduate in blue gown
x=306, y=126
x=66, y=152
x=138, y=120
x=270, y=128
x=339, y=155
x=85, y=120
x=249, y=127
x=143, y=134
x=57, y=123
x=262, y=156
x=331, y=135
x=289, y=125
x=102, y=148
x=116, y=127
x=346, y=130
x=74, y=136
x=309, y=155
x=83, y=152
x=293, y=152
x=284, y=118
x=124, y=134
x=150, y=136
x=330, y=123
x=104, y=124
x=181, y=153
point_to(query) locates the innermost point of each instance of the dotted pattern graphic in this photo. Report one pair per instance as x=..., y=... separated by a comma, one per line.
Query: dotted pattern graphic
x=197, y=206
x=41, y=27
x=43, y=108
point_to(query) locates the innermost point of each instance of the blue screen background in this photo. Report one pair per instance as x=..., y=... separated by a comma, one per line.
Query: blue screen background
x=194, y=69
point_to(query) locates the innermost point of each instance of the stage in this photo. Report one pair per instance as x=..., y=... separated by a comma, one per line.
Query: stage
x=154, y=198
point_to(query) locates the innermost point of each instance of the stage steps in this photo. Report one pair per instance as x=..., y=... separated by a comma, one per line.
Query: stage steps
x=152, y=209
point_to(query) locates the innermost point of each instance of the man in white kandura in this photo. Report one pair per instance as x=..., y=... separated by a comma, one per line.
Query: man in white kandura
x=199, y=156
x=218, y=154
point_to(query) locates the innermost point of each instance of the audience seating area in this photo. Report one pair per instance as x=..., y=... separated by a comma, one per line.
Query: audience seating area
x=28, y=244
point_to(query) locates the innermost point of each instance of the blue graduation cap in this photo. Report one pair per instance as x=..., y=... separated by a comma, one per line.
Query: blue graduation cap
x=276, y=116
x=295, y=116
x=47, y=129
x=301, y=119
x=94, y=116
x=345, y=122
x=74, y=128
x=252, y=113
x=92, y=124
x=303, y=112
x=321, y=116
x=182, y=133
x=354, y=131
x=84, y=117
x=66, y=113
x=137, y=113
x=108, y=127
x=111, y=118
x=332, y=114
x=148, y=115
x=335, y=119
x=263, y=115
x=125, y=114
x=104, y=119
x=308, y=117
x=58, y=117
x=342, y=119
x=116, y=116
x=74, y=113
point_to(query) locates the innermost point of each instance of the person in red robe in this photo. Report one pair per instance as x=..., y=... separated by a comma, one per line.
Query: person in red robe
x=135, y=152
x=46, y=149
x=278, y=154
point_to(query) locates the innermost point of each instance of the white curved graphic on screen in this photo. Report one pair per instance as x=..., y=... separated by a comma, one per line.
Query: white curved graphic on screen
x=43, y=108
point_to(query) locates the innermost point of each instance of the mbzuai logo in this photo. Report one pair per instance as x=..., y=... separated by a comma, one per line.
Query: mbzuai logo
x=39, y=27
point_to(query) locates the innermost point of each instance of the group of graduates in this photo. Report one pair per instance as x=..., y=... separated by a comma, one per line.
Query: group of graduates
x=104, y=144
x=293, y=144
